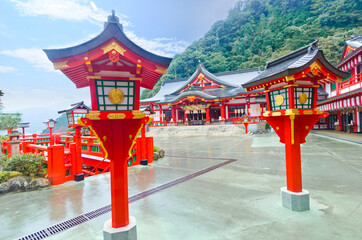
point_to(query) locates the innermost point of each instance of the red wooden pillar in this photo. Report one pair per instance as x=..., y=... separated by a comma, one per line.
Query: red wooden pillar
x=355, y=127
x=51, y=136
x=339, y=116
x=315, y=98
x=173, y=114
x=268, y=107
x=208, y=115
x=291, y=97
x=222, y=112
x=143, y=143
x=161, y=115
x=78, y=167
x=185, y=116
x=56, y=168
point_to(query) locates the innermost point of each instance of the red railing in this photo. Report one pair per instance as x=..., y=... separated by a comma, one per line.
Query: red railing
x=63, y=155
x=351, y=81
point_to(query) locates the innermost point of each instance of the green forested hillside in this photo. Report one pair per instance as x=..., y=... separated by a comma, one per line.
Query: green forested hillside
x=257, y=31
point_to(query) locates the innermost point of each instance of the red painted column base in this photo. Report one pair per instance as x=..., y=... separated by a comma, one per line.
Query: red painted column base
x=292, y=130
x=117, y=137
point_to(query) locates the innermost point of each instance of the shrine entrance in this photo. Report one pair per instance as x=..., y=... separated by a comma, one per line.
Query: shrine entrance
x=214, y=114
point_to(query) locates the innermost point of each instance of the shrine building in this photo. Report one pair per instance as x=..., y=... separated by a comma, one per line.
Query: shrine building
x=344, y=100
x=206, y=98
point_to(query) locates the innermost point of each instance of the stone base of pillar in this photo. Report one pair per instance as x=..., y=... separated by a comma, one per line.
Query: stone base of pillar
x=124, y=233
x=297, y=202
x=79, y=177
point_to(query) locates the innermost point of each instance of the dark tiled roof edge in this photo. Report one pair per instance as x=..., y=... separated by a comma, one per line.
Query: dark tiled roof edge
x=294, y=54
x=349, y=56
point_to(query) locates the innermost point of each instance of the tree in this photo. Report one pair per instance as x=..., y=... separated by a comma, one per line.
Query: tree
x=9, y=121
x=1, y=104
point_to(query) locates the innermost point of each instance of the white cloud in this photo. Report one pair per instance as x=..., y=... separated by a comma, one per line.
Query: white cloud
x=19, y=99
x=94, y=6
x=35, y=56
x=78, y=10
x=6, y=69
x=86, y=10
x=161, y=46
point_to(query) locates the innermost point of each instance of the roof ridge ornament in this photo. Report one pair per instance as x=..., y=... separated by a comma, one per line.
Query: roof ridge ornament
x=113, y=19
x=313, y=46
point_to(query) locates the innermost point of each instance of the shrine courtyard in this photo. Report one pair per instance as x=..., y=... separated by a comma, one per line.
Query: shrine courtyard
x=207, y=188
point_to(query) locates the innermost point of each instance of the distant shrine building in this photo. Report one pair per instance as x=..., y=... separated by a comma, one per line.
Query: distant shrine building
x=207, y=98
x=344, y=100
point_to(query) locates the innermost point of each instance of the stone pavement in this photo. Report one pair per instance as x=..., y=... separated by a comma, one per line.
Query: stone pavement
x=352, y=137
x=214, y=188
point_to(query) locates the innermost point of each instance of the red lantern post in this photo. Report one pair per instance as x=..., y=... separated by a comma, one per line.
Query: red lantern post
x=291, y=84
x=114, y=68
x=50, y=125
x=76, y=111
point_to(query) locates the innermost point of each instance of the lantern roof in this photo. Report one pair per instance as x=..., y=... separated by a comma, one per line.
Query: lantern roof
x=23, y=124
x=294, y=63
x=49, y=120
x=89, y=59
x=14, y=133
x=79, y=105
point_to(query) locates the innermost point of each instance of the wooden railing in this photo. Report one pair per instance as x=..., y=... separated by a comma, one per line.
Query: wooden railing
x=351, y=81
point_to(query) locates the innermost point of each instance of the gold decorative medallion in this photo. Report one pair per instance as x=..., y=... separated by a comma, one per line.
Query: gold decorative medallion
x=279, y=100
x=116, y=96
x=302, y=98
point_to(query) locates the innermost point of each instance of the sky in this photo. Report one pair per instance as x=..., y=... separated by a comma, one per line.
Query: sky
x=31, y=85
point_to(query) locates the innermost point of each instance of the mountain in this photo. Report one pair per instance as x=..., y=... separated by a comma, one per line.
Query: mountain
x=257, y=31
x=60, y=126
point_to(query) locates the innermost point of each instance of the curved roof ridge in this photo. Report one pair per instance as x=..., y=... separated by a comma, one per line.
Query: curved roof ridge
x=112, y=29
x=203, y=70
x=294, y=54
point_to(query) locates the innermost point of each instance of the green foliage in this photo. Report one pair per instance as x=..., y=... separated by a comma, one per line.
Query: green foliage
x=1, y=104
x=3, y=160
x=257, y=31
x=9, y=121
x=156, y=149
x=6, y=175
x=3, y=138
x=28, y=164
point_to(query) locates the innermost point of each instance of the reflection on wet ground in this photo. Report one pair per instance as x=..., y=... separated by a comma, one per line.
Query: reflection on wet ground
x=236, y=200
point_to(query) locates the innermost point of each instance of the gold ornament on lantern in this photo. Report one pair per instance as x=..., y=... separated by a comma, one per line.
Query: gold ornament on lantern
x=115, y=96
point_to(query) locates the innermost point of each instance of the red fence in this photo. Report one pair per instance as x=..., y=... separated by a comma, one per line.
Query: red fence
x=63, y=159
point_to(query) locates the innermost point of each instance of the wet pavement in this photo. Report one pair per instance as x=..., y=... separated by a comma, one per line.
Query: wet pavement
x=227, y=200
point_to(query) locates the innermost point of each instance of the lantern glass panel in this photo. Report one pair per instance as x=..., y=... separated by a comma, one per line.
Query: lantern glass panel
x=105, y=86
x=299, y=95
x=51, y=124
x=275, y=102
